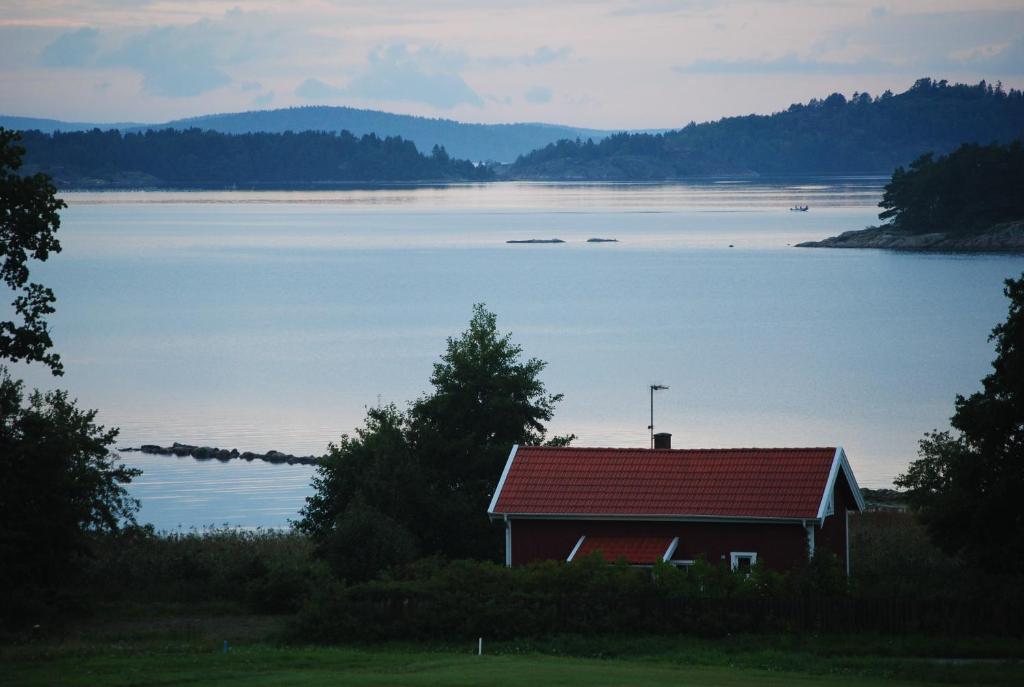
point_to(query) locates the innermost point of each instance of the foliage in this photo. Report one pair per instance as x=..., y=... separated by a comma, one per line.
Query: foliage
x=266, y=570
x=433, y=468
x=831, y=136
x=206, y=159
x=434, y=600
x=28, y=223
x=967, y=486
x=969, y=190
x=60, y=483
x=364, y=542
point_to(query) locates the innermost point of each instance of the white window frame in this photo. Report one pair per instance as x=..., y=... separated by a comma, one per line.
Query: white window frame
x=735, y=556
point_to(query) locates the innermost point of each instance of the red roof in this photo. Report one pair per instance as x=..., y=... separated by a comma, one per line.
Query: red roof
x=748, y=482
x=635, y=550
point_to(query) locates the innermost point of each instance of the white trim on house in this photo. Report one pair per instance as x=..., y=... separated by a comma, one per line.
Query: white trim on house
x=839, y=462
x=671, y=549
x=735, y=556
x=501, y=482
x=810, y=541
x=576, y=548
x=508, y=542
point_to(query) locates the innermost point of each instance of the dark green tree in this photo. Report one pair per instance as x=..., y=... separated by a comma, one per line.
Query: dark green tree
x=29, y=220
x=432, y=469
x=60, y=484
x=967, y=485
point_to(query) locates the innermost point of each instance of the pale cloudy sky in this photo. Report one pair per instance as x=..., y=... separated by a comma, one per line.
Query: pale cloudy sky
x=605, y=64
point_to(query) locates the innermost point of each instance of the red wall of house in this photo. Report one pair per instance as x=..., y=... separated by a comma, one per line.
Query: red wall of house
x=778, y=547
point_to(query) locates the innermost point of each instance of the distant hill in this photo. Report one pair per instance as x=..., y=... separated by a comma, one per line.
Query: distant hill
x=48, y=126
x=193, y=158
x=831, y=136
x=478, y=142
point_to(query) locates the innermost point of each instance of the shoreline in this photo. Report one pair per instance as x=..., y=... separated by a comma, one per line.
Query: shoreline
x=1006, y=237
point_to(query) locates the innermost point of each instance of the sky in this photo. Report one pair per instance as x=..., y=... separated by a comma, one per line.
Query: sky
x=614, y=64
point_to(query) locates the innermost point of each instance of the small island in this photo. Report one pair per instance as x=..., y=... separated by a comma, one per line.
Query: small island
x=535, y=241
x=971, y=200
x=597, y=240
x=221, y=454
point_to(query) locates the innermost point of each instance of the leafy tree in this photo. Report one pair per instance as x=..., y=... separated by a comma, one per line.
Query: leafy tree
x=971, y=189
x=967, y=486
x=60, y=483
x=432, y=469
x=28, y=223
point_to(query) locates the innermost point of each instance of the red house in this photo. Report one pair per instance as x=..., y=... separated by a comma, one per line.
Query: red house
x=775, y=506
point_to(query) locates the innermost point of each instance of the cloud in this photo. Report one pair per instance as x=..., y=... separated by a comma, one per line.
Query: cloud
x=542, y=55
x=787, y=64
x=1006, y=60
x=174, y=61
x=315, y=89
x=74, y=49
x=425, y=75
x=538, y=94
x=263, y=99
x=248, y=86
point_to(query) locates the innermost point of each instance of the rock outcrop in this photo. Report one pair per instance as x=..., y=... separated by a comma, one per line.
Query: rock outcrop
x=222, y=454
x=1007, y=237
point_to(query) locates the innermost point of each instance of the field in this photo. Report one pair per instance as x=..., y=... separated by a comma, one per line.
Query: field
x=188, y=650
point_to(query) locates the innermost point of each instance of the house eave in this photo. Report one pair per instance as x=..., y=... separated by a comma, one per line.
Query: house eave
x=658, y=518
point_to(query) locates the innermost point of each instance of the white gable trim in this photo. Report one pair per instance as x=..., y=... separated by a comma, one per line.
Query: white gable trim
x=839, y=462
x=501, y=482
x=671, y=550
x=572, y=554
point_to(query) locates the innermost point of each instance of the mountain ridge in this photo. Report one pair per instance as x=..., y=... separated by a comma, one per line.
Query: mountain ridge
x=500, y=143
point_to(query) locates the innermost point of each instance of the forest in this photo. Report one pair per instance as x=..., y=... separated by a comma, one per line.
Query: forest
x=836, y=135
x=967, y=191
x=194, y=158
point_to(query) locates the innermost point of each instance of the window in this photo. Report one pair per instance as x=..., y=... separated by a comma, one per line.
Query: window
x=742, y=560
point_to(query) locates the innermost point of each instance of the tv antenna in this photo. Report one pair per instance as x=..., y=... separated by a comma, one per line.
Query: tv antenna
x=654, y=387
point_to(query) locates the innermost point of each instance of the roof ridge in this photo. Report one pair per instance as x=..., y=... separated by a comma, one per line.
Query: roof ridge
x=678, y=450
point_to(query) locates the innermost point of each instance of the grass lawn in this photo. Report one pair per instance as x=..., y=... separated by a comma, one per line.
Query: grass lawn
x=263, y=665
x=178, y=649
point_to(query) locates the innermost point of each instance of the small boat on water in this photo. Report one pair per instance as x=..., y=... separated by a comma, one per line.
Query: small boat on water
x=799, y=208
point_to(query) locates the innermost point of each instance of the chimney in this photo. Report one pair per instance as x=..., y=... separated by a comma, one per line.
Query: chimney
x=662, y=440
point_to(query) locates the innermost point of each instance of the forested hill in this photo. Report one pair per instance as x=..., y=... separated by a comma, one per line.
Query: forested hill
x=205, y=159
x=478, y=142
x=836, y=135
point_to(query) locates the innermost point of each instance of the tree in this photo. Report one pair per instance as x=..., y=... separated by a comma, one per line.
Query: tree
x=60, y=484
x=967, y=485
x=432, y=469
x=29, y=220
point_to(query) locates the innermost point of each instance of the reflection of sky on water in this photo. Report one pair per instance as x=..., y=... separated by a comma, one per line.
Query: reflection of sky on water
x=272, y=325
x=183, y=493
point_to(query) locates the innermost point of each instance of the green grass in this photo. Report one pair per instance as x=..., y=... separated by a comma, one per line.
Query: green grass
x=738, y=661
x=263, y=665
x=182, y=645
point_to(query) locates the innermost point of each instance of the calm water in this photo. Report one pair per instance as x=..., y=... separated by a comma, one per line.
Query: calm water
x=271, y=320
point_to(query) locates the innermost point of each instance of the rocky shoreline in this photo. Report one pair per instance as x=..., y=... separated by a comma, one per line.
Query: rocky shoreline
x=221, y=454
x=1007, y=237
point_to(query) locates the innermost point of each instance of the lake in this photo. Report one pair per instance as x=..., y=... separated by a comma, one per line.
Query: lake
x=271, y=320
